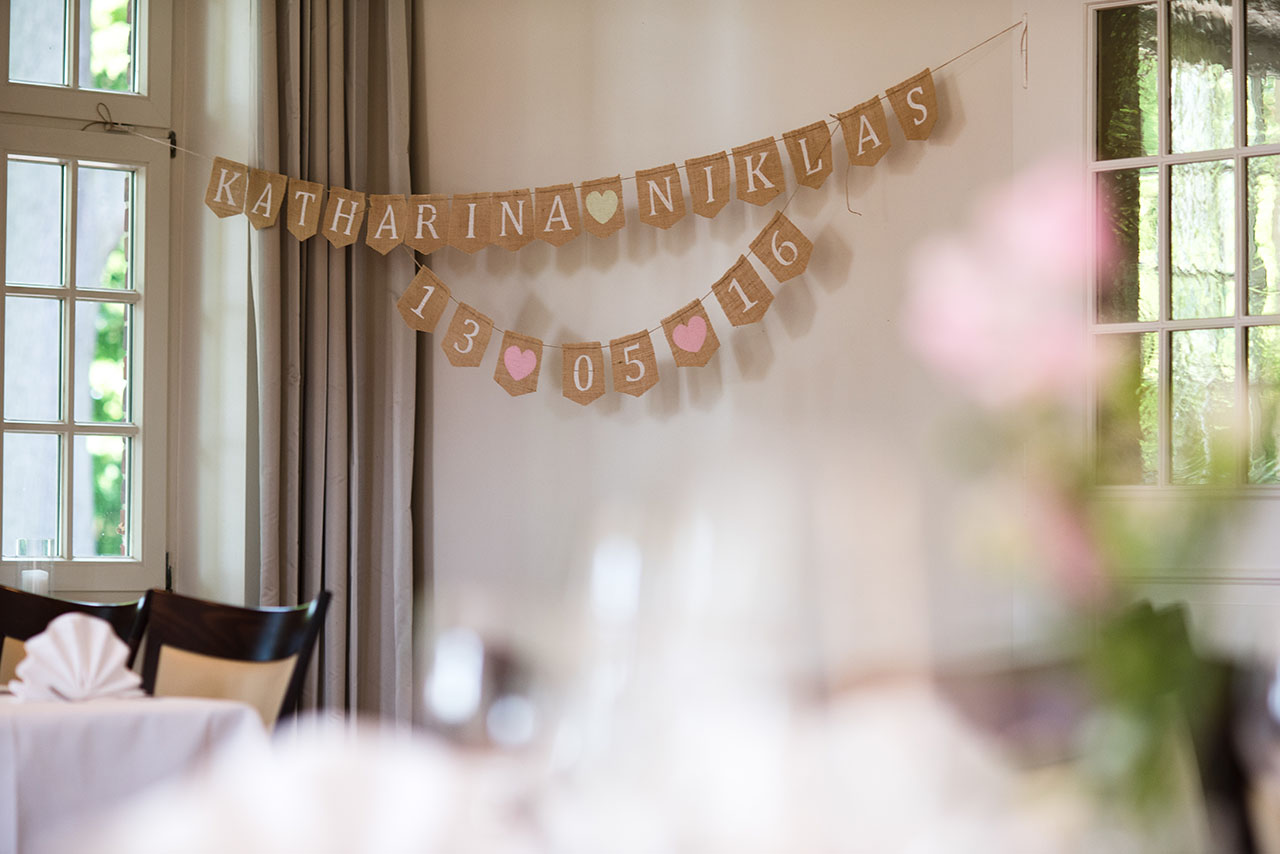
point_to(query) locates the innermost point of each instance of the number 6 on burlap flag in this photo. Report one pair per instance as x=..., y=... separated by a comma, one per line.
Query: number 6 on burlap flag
x=783, y=248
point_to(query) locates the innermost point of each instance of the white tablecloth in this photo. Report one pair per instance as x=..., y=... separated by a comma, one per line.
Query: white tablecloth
x=62, y=762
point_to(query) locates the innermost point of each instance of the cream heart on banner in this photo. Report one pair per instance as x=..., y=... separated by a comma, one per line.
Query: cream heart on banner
x=520, y=363
x=689, y=336
x=602, y=206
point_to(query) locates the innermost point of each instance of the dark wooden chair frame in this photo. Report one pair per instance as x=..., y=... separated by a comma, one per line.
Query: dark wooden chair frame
x=24, y=615
x=232, y=632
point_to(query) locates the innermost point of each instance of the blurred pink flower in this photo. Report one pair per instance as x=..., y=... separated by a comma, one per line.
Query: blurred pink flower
x=1001, y=308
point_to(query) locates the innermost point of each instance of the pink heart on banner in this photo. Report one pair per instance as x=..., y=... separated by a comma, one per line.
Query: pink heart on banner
x=689, y=336
x=520, y=363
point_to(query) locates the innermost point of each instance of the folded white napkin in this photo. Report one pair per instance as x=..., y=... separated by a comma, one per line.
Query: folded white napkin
x=76, y=657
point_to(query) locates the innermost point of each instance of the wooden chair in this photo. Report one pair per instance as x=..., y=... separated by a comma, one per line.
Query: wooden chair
x=24, y=615
x=196, y=648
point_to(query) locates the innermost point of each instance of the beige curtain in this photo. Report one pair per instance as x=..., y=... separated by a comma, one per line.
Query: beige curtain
x=339, y=373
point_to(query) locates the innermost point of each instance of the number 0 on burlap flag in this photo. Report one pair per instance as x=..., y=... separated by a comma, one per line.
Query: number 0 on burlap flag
x=519, y=363
x=757, y=168
x=866, y=132
x=782, y=248
x=303, y=210
x=582, y=372
x=228, y=186
x=690, y=335
x=342, y=216
x=635, y=367
x=602, y=206
x=428, y=223
x=266, y=195
x=916, y=105
x=424, y=301
x=743, y=294
x=388, y=219
x=467, y=337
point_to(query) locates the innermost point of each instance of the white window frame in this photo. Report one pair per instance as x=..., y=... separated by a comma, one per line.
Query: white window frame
x=1164, y=326
x=149, y=107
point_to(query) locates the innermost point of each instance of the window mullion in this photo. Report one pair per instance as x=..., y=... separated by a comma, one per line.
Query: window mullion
x=66, y=476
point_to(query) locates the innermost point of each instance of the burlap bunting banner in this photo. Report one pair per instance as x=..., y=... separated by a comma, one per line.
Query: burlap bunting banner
x=266, y=195
x=343, y=216
x=582, y=372
x=635, y=366
x=388, y=220
x=603, y=213
x=743, y=294
x=556, y=214
x=469, y=222
x=429, y=223
x=228, y=186
x=689, y=332
x=709, y=182
x=305, y=198
x=661, y=196
x=782, y=248
x=757, y=167
x=916, y=105
x=424, y=301
x=810, y=150
x=866, y=132
x=519, y=363
x=512, y=225
x=467, y=337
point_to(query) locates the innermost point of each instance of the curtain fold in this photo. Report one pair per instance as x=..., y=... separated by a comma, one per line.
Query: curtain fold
x=339, y=378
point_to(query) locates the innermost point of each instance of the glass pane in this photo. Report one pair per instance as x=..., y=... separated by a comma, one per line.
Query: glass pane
x=102, y=361
x=37, y=31
x=1262, y=56
x=30, y=489
x=1264, y=404
x=100, y=516
x=106, y=26
x=32, y=359
x=1264, y=235
x=1202, y=234
x=1200, y=109
x=1128, y=268
x=1127, y=82
x=1129, y=409
x=33, y=228
x=105, y=198
x=1203, y=365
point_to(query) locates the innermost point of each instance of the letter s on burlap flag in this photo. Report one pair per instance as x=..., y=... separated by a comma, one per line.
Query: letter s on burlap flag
x=916, y=104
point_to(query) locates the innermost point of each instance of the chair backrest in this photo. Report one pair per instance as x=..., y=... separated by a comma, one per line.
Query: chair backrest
x=196, y=648
x=24, y=615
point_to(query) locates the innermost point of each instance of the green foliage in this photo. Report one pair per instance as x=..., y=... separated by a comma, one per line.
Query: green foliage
x=110, y=59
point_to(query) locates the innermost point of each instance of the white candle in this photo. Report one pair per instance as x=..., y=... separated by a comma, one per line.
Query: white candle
x=35, y=581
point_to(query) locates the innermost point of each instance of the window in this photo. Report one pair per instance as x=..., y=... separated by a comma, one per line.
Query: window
x=84, y=303
x=1186, y=164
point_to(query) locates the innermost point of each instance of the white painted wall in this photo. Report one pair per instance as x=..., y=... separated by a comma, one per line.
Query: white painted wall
x=782, y=492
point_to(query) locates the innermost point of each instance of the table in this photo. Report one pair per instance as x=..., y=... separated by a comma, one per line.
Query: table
x=62, y=762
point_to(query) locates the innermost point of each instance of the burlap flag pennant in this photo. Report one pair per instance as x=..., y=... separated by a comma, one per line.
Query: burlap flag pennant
x=556, y=214
x=513, y=218
x=428, y=223
x=266, y=195
x=388, y=221
x=342, y=216
x=866, y=132
x=228, y=187
x=469, y=221
x=582, y=371
x=635, y=366
x=743, y=294
x=915, y=103
x=709, y=183
x=757, y=168
x=603, y=212
x=519, y=363
x=810, y=150
x=424, y=301
x=690, y=335
x=467, y=337
x=304, y=208
x=782, y=248
x=660, y=196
